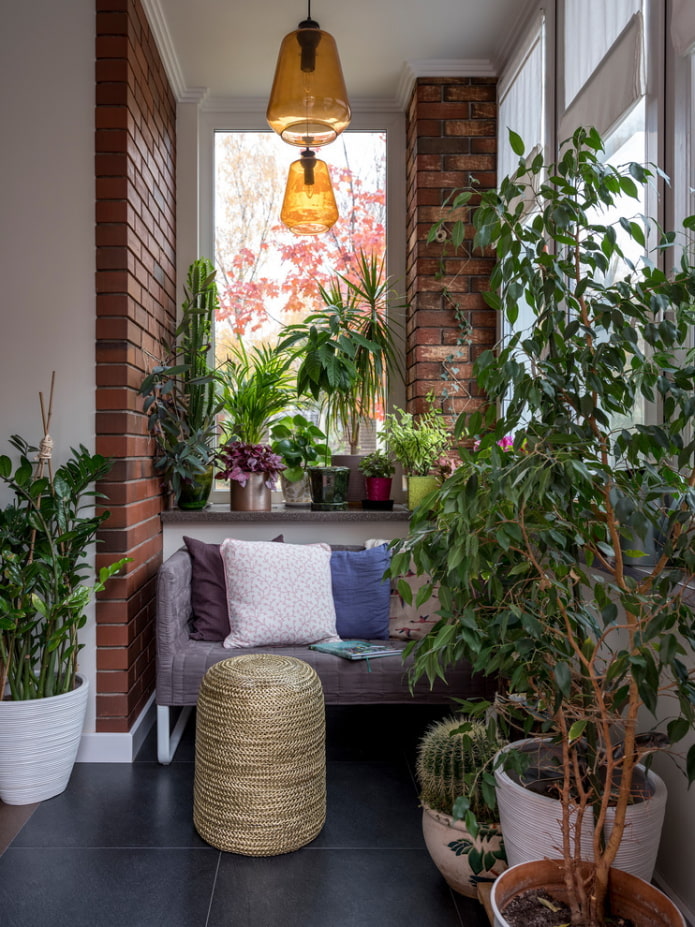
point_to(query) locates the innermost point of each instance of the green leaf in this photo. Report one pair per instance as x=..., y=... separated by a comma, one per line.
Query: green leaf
x=563, y=677
x=516, y=143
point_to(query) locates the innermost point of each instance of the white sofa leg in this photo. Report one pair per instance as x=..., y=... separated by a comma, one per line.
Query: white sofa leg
x=167, y=742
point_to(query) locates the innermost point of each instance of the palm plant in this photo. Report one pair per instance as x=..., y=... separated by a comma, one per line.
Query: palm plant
x=256, y=387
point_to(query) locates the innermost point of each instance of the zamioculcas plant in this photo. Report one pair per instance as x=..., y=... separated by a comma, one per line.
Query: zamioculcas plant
x=526, y=544
x=46, y=532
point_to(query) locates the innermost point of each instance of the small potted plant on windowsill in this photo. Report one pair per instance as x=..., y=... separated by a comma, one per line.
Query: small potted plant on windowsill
x=300, y=443
x=377, y=469
x=417, y=443
x=252, y=471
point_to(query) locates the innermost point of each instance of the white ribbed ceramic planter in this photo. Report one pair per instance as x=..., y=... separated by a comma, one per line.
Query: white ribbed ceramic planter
x=39, y=739
x=629, y=896
x=452, y=848
x=531, y=825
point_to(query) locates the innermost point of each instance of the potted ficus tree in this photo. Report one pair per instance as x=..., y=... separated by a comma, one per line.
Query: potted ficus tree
x=45, y=538
x=524, y=543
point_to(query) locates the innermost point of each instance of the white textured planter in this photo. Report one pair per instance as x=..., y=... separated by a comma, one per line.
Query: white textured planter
x=39, y=739
x=532, y=826
x=452, y=848
x=629, y=896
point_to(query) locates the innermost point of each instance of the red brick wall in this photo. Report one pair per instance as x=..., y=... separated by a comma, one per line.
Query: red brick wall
x=451, y=137
x=135, y=160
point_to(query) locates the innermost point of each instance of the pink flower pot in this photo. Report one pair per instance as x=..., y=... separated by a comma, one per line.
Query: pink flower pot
x=377, y=488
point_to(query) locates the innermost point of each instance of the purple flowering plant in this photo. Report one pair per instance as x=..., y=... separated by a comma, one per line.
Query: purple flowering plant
x=238, y=459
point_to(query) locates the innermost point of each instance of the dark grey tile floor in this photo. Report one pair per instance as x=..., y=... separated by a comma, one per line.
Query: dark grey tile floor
x=118, y=848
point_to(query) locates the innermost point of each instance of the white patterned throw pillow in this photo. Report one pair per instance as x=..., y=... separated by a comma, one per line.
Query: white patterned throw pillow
x=278, y=593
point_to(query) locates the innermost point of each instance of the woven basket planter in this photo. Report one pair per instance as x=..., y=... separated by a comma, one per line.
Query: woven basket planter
x=260, y=757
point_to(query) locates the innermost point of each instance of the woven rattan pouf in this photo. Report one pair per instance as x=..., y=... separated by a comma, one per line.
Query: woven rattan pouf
x=260, y=755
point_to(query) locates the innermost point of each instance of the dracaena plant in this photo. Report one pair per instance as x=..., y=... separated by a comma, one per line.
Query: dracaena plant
x=347, y=351
x=527, y=543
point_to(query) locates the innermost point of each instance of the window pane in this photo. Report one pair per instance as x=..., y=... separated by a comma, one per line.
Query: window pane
x=267, y=276
x=591, y=27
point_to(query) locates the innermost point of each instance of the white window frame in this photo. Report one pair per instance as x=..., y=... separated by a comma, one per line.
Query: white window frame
x=195, y=191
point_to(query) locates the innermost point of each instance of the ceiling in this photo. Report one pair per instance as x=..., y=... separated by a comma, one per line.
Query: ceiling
x=226, y=50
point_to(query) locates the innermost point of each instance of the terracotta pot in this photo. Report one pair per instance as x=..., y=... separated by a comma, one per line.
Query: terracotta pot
x=253, y=497
x=629, y=896
x=459, y=857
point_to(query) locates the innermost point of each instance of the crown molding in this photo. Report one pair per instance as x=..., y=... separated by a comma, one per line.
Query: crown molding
x=222, y=104
x=165, y=45
x=422, y=67
x=439, y=67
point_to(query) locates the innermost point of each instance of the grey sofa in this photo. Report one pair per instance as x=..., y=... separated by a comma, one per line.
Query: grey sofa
x=182, y=663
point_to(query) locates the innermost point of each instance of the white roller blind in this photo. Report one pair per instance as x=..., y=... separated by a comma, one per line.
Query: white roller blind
x=521, y=100
x=683, y=26
x=591, y=27
x=615, y=84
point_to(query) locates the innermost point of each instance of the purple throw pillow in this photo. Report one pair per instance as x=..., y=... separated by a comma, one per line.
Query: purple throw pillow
x=208, y=590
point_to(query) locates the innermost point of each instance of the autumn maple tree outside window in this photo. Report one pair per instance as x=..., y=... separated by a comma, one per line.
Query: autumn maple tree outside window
x=267, y=276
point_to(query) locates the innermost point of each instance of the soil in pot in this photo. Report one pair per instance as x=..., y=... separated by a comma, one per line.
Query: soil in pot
x=540, y=909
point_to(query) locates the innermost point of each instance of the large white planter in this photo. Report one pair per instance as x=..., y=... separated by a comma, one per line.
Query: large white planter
x=532, y=826
x=39, y=739
x=629, y=896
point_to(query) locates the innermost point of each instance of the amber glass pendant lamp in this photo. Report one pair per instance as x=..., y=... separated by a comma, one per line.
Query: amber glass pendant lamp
x=309, y=206
x=308, y=103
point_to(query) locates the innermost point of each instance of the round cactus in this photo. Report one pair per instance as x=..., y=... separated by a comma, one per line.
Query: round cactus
x=453, y=759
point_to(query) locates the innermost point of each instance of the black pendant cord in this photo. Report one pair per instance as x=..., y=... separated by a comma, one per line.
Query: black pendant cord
x=309, y=23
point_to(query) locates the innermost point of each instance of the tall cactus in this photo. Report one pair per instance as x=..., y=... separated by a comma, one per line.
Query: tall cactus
x=195, y=333
x=451, y=760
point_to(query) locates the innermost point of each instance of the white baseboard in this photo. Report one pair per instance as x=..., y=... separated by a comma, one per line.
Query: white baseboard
x=117, y=748
x=662, y=884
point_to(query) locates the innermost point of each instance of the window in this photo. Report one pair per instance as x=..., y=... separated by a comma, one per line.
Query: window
x=267, y=276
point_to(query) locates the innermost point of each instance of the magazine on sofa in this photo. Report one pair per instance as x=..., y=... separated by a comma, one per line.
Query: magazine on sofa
x=357, y=650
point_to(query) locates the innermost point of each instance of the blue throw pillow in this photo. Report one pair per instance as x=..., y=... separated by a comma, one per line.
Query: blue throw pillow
x=360, y=593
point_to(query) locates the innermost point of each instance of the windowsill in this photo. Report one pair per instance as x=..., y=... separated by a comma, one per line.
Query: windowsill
x=218, y=512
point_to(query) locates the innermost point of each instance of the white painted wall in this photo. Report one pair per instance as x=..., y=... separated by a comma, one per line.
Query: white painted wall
x=47, y=302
